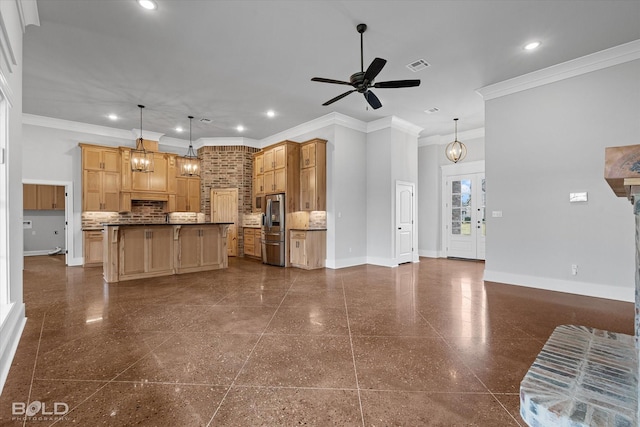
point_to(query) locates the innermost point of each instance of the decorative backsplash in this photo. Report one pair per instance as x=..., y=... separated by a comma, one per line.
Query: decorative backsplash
x=305, y=220
x=318, y=219
x=142, y=212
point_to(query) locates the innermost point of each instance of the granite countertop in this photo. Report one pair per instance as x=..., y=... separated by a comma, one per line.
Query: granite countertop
x=92, y=228
x=146, y=224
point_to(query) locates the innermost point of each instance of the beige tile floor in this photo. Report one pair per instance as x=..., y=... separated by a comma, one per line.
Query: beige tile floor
x=427, y=344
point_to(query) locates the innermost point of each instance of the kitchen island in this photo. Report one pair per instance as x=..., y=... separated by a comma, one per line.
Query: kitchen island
x=136, y=251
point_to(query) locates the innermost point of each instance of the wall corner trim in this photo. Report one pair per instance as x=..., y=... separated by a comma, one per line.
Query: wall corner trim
x=11, y=329
x=596, y=61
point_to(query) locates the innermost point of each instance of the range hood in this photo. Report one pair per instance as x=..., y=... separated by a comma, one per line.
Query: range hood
x=154, y=197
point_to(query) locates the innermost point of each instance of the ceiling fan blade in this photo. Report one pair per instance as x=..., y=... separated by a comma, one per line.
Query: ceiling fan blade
x=339, y=97
x=376, y=66
x=372, y=99
x=323, y=80
x=396, y=84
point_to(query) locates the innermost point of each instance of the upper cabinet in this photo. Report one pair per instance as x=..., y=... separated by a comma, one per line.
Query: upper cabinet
x=281, y=164
x=100, y=178
x=313, y=175
x=43, y=197
x=187, y=195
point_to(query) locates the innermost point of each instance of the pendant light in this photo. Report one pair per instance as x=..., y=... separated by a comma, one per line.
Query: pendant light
x=141, y=160
x=456, y=150
x=190, y=163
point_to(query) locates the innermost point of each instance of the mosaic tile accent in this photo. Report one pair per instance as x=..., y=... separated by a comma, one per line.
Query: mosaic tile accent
x=582, y=377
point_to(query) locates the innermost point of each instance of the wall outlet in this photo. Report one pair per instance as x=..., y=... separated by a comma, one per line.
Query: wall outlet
x=574, y=269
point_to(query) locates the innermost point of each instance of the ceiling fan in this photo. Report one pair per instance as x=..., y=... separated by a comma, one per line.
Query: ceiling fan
x=362, y=81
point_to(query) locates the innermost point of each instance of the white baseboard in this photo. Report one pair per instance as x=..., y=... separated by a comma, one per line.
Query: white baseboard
x=74, y=262
x=36, y=253
x=10, y=332
x=572, y=287
x=343, y=263
x=428, y=254
x=383, y=262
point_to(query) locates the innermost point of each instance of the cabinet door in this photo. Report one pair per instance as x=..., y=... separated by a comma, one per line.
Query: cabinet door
x=232, y=240
x=193, y=190
x=158, y=179
x=111, y=191
x=29, y=196
x=93, y=248
x=160, y=245
x=269, y=182
x=258, y=164
x=182, y=194
x=46, y=195
x=92, y=190
x=132, y=243
x=297, y=249
x=280, y=157
x=280, y=180
x=307, y=189
x=190, y=251
x=140, y=181
x=110, y=160
x=249, y=242
x=257, y=245
x=92, y=158
x=308, y=155
x=211, y=238
x=260, y=185
x=269, y=161
x=59, y=196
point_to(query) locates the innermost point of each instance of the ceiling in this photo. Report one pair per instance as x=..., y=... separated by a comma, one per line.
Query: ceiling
x=231, y=61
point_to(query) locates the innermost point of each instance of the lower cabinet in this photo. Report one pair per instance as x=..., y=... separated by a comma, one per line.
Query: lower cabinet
x=198, y=248
x=93, y=248
x=308, y=248
x=145, y=252
x=252, y=245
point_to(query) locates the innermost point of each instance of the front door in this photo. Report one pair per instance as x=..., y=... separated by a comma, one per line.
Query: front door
x=465, y=205
x=404, y=222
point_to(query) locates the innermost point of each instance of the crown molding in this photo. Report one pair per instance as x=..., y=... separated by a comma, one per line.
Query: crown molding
x=226, y=141
x=28, y=11
x=445, y=139
x=313, y=125
x=146, y=134
x=394, y=122
x=53, y=123
x=596, y=61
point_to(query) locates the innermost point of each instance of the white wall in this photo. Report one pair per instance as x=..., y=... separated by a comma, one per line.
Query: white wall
x=54, y=155
x=46, y=232
x=431, y=158
x=542, y=144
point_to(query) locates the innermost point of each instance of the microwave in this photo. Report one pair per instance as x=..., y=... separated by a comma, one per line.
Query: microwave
x=258, y=204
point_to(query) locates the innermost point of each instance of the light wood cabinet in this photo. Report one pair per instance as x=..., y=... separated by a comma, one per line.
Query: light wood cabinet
x=308, y=249
x=313, y=175
x=93, y=248
x=43, y=197
x=252, y=245
x=258, y=163
x=187, y=195
x=145, y=251
x=198, y=248
x=100, y=178
x=29, y=196
x=224, y=208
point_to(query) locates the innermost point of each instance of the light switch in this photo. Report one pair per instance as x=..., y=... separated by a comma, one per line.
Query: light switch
x=496, y=214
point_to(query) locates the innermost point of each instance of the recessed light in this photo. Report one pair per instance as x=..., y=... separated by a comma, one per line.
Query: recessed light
x=240, y=128
x=148, y=4
x=112, y=117
x=532, y=46
x=271, y=113
x=179, y=129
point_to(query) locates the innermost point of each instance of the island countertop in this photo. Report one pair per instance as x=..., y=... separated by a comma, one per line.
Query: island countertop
x=146, y=224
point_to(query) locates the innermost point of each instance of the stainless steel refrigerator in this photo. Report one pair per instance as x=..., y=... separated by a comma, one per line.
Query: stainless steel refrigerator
x=273, y=230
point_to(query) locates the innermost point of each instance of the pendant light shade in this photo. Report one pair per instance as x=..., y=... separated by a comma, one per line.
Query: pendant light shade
x=141, y=159
x=190, y=163
x=456, y=150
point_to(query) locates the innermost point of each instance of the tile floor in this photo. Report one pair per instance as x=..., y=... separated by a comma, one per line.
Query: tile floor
x=426, y=344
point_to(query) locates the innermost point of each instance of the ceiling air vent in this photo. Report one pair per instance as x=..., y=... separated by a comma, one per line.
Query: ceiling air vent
x=205, y=120
x=418, y=65
x=432, y=110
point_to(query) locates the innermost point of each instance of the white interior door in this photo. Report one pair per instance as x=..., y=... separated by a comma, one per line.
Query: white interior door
x=404, y=222
x=465, y=206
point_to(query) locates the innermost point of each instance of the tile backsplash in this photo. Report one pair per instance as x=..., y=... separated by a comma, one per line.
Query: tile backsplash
x=142, y=212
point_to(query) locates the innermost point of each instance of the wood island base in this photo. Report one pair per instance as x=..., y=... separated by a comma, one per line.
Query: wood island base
x=139, y=251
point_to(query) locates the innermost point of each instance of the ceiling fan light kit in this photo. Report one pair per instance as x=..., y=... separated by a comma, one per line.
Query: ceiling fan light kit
x=363, y=80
